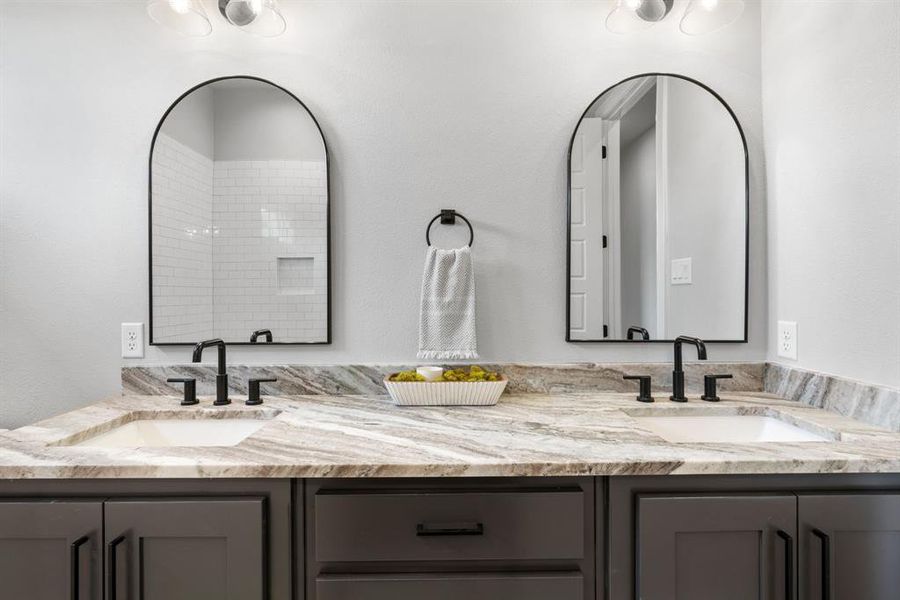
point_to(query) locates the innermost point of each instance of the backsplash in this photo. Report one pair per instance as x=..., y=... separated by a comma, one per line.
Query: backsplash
x=367, y=379
x=870, y=403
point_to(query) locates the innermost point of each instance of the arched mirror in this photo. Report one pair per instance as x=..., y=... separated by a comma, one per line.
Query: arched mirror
x=239, y=218
x=657, y=215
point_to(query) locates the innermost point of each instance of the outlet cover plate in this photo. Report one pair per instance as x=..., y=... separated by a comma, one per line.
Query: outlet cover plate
x=132, y=340
x=787, y=339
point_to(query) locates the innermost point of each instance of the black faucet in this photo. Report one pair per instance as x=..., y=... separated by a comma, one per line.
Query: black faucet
x=221, y=376
x=645, y=335
x=678, y=373
x=264, y=332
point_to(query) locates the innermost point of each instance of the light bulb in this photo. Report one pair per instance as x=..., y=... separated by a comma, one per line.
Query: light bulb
x=633, y=15
x=180, y=6
x=243, y=12
x=187, y=17
x=705, y=16
x=259, y=17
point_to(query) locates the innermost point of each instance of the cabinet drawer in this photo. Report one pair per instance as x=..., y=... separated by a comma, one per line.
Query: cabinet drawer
x=471, y=586
x=522, y=525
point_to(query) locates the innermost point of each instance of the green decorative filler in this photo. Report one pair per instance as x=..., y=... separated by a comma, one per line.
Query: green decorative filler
x=475, y=373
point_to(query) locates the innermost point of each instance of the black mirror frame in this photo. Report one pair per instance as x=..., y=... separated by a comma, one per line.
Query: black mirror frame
x=327, y=218
x=746, y=218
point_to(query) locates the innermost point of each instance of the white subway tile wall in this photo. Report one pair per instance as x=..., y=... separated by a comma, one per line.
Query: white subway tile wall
x=182, y=243
x=238, y=246
x=265, y=211
x=296, y=275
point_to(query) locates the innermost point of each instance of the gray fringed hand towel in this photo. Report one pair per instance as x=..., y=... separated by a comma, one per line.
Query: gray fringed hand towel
x=447, y=317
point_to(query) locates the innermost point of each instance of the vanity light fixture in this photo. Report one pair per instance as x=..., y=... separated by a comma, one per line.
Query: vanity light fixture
x=188, y=17
x=706, y=16
x=628, y=16
x=700, y=16
x=259, y=17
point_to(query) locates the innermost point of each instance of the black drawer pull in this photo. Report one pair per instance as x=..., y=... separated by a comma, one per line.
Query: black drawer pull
x=75, y=566
x=788, y=564
x=111, y=565
x=826, y=562
x=436, y=529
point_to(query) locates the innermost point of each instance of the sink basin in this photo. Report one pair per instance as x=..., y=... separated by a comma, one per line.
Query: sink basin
x=176, y=432
x=734, y=429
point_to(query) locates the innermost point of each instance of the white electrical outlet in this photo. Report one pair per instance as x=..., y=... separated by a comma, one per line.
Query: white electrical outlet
x=132, y=340
x=787, y=339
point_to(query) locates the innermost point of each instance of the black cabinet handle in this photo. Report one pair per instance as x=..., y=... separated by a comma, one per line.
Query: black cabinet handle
x=75, y=567
x=190, y=389
x=111, y=574
x=645, y=393
x=447, y=529
x=709, y=387
x=788, y=564
x=253, y=398
x=826, y=562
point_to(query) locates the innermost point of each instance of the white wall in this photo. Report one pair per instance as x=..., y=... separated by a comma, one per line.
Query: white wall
x=638, y=216
x=276, y=128
x=424, y=105
x=831, y=92
x=192, y=123
x=706, y=208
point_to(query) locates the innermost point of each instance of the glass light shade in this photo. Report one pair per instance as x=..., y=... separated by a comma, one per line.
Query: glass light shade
x=187, y=17
x=623, y=18
x=259, y=17
x=634, y=15
x=706, y=16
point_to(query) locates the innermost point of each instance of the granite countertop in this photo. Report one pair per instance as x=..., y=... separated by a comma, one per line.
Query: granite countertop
x=366, y=436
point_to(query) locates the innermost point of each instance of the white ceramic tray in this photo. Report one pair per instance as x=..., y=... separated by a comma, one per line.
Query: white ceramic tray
x=445, y=393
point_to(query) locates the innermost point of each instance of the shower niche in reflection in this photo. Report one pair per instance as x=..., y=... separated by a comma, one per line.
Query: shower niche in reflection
x=239, y=218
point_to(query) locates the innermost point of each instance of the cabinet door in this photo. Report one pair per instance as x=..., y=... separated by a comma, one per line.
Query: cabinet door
x=470, y=586
x=850, y=546
x=50, y=550
x=185, y=549
x=713, y=547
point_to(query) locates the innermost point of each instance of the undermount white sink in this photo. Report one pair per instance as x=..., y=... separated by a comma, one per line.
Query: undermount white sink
x=733, y=428
x=176, y=432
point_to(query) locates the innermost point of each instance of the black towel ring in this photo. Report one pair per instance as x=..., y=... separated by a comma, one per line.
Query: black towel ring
x=448, y=217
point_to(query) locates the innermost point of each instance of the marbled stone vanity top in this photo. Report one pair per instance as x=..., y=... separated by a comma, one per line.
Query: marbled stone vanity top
x=366, y=436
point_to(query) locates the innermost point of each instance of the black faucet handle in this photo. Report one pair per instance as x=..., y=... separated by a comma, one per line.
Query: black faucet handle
x=266, y=333
x=644, y=394
x=634, y=329
x=253, y=398
x=190, y=389
x=709, y=387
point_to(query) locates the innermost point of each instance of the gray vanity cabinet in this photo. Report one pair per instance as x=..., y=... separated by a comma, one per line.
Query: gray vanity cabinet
x=447, y=539
x=712, y=547
x=849, y=546
x=185, y=549
x=49, y=550
x=149, y=539
x=468, y=586
x=805, y=536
